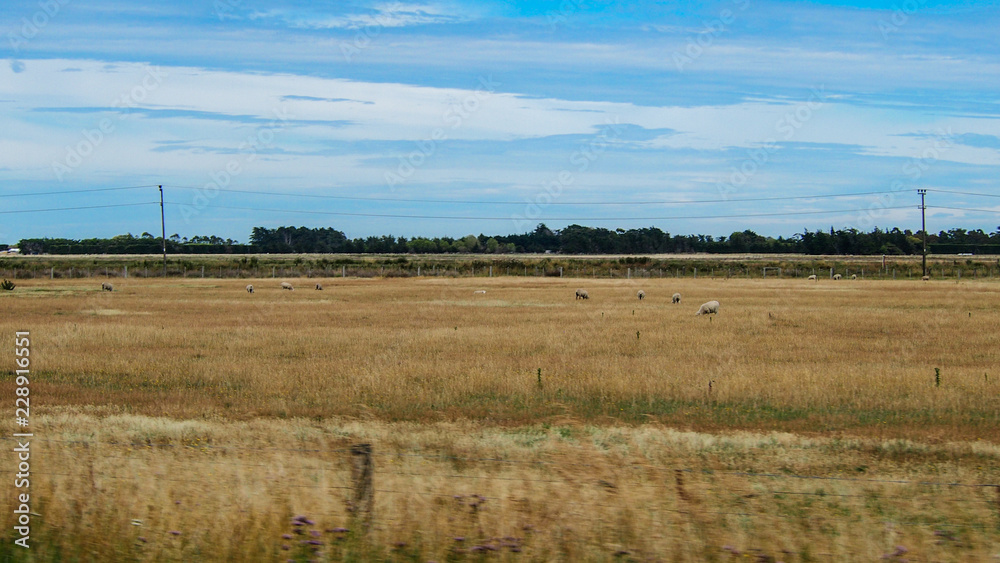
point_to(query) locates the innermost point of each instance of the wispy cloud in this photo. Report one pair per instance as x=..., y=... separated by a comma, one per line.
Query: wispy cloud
x=386, y=14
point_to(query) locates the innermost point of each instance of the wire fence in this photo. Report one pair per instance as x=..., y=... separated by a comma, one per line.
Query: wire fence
x=179, y=269
x=336, y=457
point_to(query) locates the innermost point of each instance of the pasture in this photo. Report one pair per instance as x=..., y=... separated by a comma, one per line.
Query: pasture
x=807, y=421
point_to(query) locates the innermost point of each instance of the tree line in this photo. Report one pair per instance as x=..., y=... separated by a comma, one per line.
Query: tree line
x=574, y=239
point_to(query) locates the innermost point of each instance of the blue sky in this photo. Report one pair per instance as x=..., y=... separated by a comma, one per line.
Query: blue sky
x=444, y=118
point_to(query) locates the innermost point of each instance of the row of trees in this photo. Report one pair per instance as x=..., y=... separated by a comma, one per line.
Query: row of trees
x=574, y=239
x=577, y=239
x=130, y=244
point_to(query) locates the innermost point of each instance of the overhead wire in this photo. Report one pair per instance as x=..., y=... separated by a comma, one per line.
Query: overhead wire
x=522, y=202
x=88, y=190
x=79, y=208
x=485, y=218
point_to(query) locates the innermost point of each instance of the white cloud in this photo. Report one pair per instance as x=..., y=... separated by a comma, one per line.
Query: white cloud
x=386, y=14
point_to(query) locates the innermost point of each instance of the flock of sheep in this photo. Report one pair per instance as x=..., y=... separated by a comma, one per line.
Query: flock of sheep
x=838, y=277
x=285, y=285
x=710, y=308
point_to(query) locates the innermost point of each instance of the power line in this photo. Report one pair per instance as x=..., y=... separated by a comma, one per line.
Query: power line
x=77, y=191
x=523, y=202
x=82, y=208
x=962, y=193
x=963, y=209
x=480, y=218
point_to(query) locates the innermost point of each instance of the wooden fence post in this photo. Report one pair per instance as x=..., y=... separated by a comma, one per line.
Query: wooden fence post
x=362, y=469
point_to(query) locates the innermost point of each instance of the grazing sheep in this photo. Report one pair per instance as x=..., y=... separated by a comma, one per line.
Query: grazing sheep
x=676, y=298
x=926, y=278
x=582, y=294
x=812, y=277
x=286, y=285
x=249, y=288
x=483, y=291
x=836, y=276
x=319, y=287
x=712, y=307
x=107, y=287
x=641, y=295
x=854, y=276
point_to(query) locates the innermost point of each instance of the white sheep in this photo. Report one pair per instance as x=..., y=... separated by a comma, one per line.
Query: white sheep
x=641, y=295
x=854, y=276
x=286, y=285
x=582, y=294
x=478, y=291
x=319, y=287
x=106, y=286
x=676, y=298
x=926, y=278
x=249, y=288
x=812, y=277
x=712, y=307
x=836, y=276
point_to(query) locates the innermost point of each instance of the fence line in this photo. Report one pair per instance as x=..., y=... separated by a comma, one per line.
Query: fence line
x=703, y=471
x=568, y=268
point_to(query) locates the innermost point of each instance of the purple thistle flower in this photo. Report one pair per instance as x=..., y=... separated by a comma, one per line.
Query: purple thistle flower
x=285, y=547
x=286, y=536
x=339, y=530
x=142, y=539
x=174, y=533
x=314, y=533
x=459, y=538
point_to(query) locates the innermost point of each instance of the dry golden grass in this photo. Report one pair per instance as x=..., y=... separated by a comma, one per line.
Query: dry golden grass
x=857, y=357
x=245, y=402
x=115, y=487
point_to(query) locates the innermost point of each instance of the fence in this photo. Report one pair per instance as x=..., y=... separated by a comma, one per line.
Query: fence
x=571, y=270
x=700, y=495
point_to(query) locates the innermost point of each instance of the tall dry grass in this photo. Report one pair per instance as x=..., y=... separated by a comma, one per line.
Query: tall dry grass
x=113, y=487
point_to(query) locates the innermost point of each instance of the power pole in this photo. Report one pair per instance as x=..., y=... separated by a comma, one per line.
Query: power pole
x=923, y=228
x=163, y=232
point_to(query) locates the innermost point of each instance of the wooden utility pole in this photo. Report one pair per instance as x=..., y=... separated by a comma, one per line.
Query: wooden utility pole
x=923, y=229
x=163, y=232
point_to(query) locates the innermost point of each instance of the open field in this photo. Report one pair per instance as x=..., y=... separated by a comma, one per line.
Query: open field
x=591, y=427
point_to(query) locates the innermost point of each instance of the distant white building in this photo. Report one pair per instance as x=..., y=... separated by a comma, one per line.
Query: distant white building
x=11, y=251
